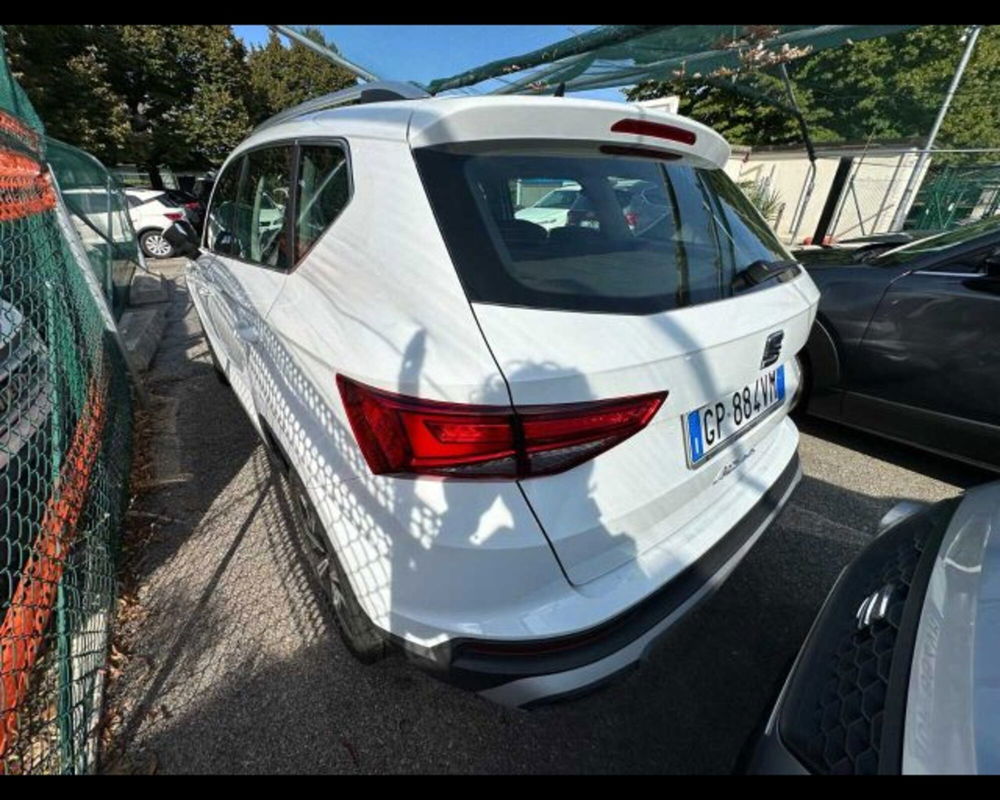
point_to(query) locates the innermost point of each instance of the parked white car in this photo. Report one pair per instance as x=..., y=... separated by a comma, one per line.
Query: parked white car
x=519, y=454
x=152, y=212
x=552, y=210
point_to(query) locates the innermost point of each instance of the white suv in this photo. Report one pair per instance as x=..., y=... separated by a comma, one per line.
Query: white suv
x=520, y=454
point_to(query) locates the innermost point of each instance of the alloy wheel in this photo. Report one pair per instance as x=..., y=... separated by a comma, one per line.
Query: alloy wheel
x=156, y=245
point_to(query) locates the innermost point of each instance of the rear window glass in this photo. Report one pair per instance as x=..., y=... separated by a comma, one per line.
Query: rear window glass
x=592, y=232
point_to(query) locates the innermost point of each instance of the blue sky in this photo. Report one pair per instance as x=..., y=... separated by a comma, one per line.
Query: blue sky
x=425, y=52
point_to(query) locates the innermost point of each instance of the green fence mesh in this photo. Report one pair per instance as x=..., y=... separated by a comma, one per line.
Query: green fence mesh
x=955, y=193
x=65, y=446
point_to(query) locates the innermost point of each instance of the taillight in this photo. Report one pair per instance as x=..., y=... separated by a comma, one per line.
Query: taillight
x=173, y=216
x=401, y=435
x=631, y=219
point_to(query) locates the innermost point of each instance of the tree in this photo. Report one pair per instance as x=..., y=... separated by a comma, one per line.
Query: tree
x=185, y=88
x=63, y=70
x=739, y=119
x=281, y=77
x=887, y=88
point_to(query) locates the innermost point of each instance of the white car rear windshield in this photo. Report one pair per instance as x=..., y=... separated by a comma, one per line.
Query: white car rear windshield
x=628, y=235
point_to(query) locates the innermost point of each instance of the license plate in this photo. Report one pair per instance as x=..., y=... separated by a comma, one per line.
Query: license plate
x=713, y=426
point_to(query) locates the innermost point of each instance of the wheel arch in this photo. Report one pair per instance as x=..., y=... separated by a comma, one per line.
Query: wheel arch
x=822, y=355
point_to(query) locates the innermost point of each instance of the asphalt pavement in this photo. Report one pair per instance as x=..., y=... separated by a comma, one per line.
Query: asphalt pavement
x=234, y=666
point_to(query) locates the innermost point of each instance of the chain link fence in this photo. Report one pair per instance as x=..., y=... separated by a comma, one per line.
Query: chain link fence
x=65, y=446
x=963, y=189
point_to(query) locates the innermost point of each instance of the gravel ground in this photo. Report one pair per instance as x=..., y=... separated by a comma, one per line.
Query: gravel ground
x=234, y=667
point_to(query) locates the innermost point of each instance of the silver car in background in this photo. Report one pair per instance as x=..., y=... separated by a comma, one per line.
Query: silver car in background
x=901, y=670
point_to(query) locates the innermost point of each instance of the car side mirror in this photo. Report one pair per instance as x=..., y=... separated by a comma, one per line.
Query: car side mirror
x=183, y=238
x=226, y=244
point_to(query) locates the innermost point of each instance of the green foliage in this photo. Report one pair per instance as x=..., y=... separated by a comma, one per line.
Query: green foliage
x=185, y=88
x=767, y=199
x=61, y=69
x=281, y=76
x=883, y=89
x=183, y=95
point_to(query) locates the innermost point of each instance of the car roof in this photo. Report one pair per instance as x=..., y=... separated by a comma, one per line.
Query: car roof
x=433, y=121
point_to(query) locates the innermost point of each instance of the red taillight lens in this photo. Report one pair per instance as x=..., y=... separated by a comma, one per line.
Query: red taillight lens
x=631, y=219
x=401, y=435
x=173, y=216
x=660, y=130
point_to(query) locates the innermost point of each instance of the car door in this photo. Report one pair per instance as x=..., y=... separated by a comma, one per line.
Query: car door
x=249, y=256
x=929, y=366
x=206, y=275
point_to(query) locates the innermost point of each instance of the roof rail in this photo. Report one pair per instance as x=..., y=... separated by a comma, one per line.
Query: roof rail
x=375, y=92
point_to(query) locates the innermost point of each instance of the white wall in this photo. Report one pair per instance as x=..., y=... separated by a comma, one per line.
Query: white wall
x=875, y=187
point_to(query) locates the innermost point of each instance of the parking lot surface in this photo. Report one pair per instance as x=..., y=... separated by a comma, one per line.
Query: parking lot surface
x=234, y=666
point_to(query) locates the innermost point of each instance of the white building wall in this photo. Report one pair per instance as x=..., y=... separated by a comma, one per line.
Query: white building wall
x=875, y=187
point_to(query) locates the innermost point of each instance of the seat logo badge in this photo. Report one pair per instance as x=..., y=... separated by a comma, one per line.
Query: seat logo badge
x=874, y=607
x=772, y=349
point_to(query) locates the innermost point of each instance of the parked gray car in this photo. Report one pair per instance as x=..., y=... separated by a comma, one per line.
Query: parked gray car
x=901, y=670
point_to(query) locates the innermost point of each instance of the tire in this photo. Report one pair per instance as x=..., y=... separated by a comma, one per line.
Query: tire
x=361, y=638
x=800, y=399
x=154, y=245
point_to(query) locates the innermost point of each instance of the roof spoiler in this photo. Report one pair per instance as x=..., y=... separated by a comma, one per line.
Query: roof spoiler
x=375, y=92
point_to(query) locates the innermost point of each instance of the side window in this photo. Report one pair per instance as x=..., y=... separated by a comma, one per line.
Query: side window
x=323, y=191
x=221, y=218
x=260, y=209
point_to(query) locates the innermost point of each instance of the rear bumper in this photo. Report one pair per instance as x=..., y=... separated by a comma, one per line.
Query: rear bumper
x=530, y=672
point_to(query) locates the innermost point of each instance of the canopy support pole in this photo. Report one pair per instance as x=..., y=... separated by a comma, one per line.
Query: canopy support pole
x=800, y=206
x=909, y=193
x=326, y=52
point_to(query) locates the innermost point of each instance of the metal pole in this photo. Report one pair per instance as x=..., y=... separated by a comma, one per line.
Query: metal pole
x=807, y=190
x=906, y=201
x=326, y=52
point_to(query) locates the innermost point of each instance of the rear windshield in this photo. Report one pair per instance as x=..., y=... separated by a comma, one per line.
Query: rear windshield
x=592, y=232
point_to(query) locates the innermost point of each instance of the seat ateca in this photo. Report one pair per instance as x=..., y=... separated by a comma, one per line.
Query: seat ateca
x=519, y=452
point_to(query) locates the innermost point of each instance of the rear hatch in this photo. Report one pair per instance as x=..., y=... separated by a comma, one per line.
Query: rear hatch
x=582, y=313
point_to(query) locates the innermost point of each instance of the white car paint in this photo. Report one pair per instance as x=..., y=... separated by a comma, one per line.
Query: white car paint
x=953, y=704
x=151, y=213
x=550, y=216
x=379, y=300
